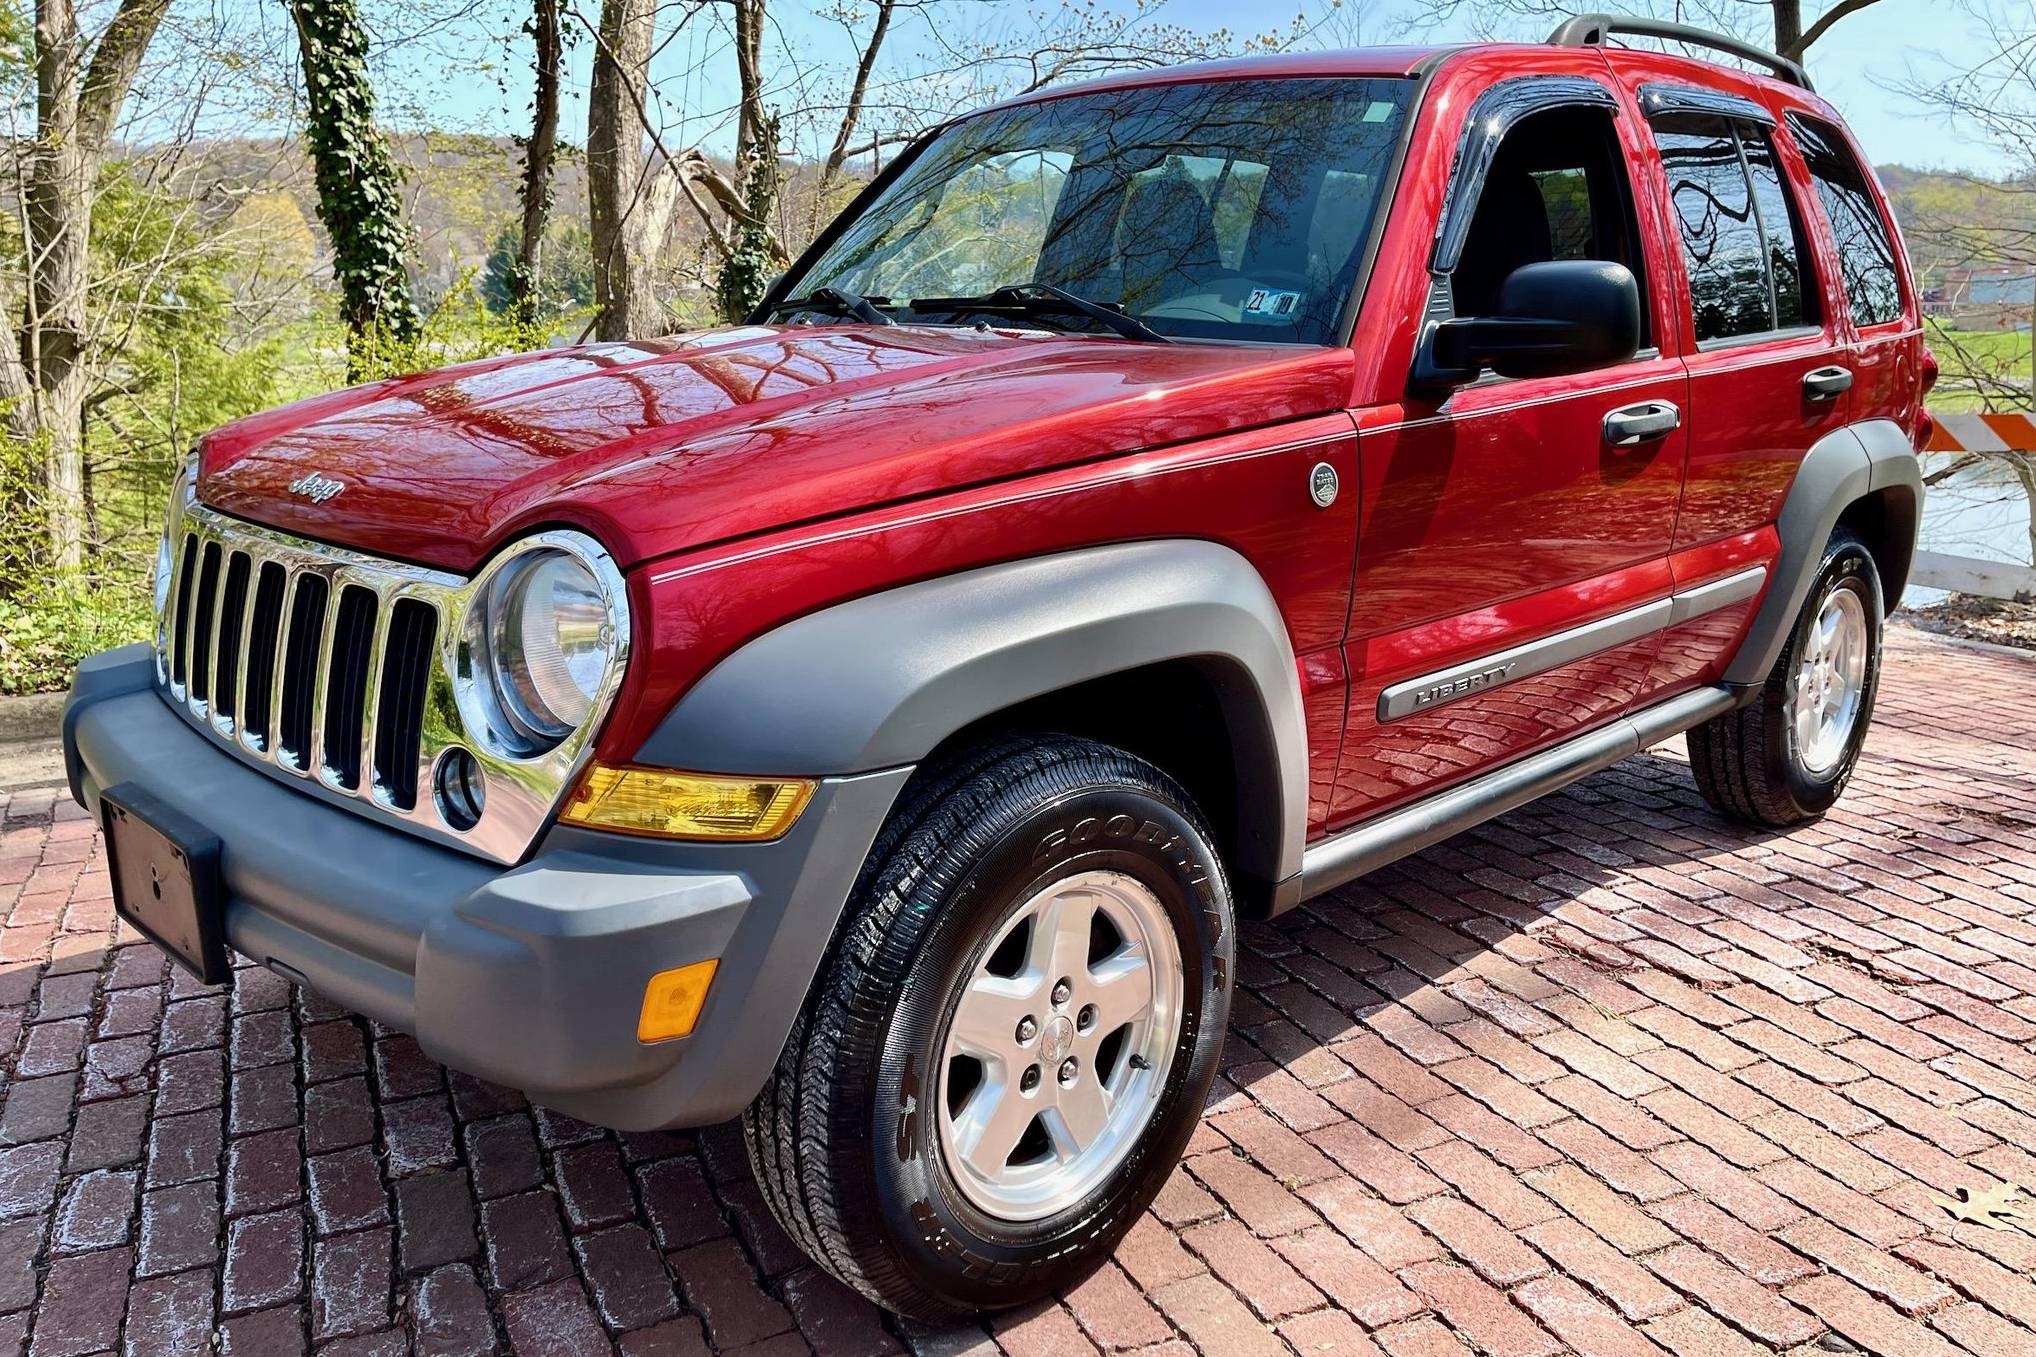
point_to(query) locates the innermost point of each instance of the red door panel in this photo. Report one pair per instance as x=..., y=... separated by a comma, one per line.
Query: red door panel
x=1750, y=425
x=1389, y=760
x=1505, y=520
x=1696, y=651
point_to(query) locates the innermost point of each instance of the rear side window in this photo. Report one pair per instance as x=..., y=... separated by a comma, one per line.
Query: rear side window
x=1741, y=235
x=1866, y=252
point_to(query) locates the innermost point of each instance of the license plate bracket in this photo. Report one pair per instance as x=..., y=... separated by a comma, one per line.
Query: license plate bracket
x=166, y=878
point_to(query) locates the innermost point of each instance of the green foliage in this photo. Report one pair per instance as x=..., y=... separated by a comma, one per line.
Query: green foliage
x=17, y=47
x=43, y=638
x=568, y=263
x=752, y=262
x=182, y=364
x=464, y=325
x=48, y=624
x=359, y=187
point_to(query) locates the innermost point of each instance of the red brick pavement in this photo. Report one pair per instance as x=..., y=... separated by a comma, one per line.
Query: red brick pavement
x=1607, y=1076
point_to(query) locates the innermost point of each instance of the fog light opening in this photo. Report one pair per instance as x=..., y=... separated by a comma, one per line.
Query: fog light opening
x=459, y=789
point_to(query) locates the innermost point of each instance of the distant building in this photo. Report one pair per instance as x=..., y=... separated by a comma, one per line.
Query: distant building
x=1999, y=297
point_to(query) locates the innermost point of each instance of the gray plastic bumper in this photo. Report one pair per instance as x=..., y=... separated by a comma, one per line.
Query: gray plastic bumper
x=531, y=976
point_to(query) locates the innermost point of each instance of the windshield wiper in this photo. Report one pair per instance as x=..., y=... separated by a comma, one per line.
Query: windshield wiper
x=1035, y=298
x=837, y=301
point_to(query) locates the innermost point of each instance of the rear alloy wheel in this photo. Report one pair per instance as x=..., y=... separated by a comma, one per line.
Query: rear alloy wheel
x=1013, y=1035
x=1829, y=686
x=1783, y=758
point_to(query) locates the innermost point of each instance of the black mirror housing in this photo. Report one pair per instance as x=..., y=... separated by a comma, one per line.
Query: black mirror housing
x=1555, y=318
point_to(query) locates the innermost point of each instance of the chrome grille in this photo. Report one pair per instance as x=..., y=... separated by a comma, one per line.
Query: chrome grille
x=281, y=647
x=346, y=673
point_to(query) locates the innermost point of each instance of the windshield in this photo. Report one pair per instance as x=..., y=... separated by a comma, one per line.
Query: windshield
x=1233, y=210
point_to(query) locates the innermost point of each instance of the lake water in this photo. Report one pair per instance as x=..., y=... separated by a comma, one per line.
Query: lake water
x=1981, y=511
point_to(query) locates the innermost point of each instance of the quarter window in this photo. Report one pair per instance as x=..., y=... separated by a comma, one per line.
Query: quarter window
x=1742, y=238
x=1866, y=252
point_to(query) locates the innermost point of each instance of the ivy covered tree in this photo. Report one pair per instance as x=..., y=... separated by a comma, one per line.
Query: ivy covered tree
x=540, y=149
x=359, y=187
x=564, y=283
x=753, y=253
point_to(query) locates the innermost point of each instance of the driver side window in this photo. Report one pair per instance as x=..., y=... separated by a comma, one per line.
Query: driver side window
x=1557, y=189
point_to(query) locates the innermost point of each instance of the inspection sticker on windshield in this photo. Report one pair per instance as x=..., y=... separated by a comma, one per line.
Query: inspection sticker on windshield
x=1266, y=302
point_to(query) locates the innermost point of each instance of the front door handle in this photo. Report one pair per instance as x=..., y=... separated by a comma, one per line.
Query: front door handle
x=1823, y=384
x=1631, y=425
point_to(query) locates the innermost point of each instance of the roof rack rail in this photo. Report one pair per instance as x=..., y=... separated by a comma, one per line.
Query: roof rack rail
x=1593, y=30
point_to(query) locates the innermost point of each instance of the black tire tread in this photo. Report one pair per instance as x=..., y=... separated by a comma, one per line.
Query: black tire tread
x=770, y=1123
x=807, y=1130
x=1729, y=754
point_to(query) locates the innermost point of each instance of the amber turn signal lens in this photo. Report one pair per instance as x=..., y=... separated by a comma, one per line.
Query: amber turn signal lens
x=670, y=805
x=672, y=1000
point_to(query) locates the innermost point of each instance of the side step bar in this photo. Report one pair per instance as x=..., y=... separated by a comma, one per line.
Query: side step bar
x=1371, y=845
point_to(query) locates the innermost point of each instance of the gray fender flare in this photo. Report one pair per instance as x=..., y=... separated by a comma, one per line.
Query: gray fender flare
x=880, y=681
x=1871, y=459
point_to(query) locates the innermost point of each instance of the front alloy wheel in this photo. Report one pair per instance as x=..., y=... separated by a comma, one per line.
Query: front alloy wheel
x=1059, y=1047
x=1013, y=1035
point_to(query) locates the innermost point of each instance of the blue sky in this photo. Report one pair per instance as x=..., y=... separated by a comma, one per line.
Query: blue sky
x=1854, y=65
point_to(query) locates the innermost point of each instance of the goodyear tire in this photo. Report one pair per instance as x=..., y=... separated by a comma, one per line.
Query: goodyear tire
x=1036, y=955
x=1784, y=758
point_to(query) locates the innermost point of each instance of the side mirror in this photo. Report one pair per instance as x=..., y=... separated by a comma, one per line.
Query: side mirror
x=1555, y=318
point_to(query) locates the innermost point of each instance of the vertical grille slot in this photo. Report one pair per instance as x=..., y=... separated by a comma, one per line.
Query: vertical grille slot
x=346, y=683
x=232, y=614
x=264, y=623
x=201, y=626
x=300, y=672
x=399, y=709
x=335, y=666
x=180, y=630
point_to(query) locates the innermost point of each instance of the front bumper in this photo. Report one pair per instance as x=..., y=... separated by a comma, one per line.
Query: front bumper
x=530, y=976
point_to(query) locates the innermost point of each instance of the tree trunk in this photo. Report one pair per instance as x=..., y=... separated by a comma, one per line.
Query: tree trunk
x=1788, y=24
x=526, y=280
x=749, y=124
x=616, y=169
x=58, y=219
x=857, y=92
x=76, y=102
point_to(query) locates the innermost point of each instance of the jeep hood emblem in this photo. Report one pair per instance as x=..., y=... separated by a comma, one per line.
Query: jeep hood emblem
x=315, y=487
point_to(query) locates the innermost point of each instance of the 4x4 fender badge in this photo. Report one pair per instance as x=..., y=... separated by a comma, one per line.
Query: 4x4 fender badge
x=1566, y=647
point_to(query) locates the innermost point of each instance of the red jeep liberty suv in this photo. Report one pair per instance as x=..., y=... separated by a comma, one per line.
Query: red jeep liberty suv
x=1151, y=504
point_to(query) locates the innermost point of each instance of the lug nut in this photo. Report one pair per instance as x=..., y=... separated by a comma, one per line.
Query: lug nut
x=1062, y=990
x=1086, y=1018
x=1029, y=1080
x=1027, y=1030
x=1068, y=1070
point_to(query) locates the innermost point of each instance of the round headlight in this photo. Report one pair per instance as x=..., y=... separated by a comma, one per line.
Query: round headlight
x=543, y=626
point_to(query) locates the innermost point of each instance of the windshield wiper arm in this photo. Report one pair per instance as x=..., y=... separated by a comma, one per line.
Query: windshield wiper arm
x=838, y=300
x=1036, y=297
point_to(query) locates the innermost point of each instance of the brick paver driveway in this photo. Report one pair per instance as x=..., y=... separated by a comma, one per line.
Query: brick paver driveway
x=1607, y=1075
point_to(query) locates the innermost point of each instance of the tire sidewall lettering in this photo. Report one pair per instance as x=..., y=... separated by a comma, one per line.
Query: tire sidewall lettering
x=1089, y=829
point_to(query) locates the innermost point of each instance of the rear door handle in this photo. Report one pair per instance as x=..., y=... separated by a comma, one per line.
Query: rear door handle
x=1631, y=425
x=1823, y=384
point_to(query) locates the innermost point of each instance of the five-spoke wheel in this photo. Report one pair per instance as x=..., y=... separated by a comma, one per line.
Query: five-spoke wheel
x=1059, y=1046
x=1784, y=756
x=1014, y=1034
x=1829, y=681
